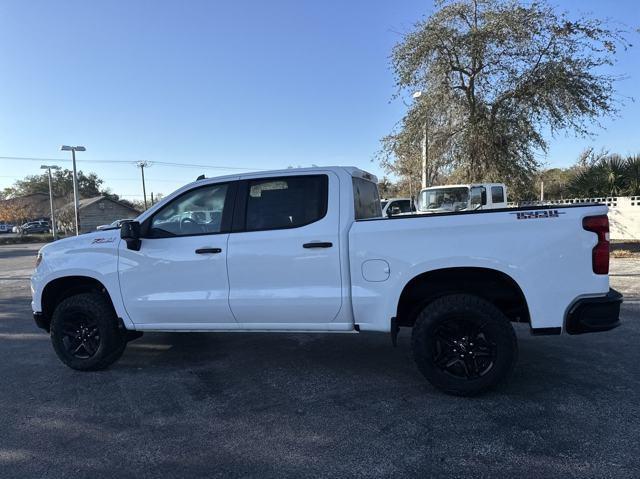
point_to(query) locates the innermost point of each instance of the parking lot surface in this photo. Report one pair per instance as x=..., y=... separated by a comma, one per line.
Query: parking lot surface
x=295, y=405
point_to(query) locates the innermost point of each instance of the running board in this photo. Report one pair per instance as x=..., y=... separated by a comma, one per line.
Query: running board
x=248, y=328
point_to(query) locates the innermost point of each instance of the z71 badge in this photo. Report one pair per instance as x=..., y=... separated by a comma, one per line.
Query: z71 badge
x=103, y=240
x=530, y=215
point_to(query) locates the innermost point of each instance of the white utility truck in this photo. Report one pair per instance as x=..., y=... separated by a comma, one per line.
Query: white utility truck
x=308, y=250
x=483, y=196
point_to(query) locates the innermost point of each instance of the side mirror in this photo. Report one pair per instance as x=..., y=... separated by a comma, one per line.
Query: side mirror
x=130, y=232
x=394, y=210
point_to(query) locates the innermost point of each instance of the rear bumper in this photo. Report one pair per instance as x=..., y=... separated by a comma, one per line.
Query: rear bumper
x=591, y=315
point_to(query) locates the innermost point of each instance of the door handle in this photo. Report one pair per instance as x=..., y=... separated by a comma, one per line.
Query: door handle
x=208, y=250
x=318, y=244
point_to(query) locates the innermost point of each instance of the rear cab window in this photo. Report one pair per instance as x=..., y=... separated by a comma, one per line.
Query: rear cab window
x=366, y=200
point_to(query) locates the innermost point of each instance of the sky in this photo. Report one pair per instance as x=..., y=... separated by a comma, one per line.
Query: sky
x=230, y=85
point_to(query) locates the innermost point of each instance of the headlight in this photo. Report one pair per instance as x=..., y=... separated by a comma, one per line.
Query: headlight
x=38, y=259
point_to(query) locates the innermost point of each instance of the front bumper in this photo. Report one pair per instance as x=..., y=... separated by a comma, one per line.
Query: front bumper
x=590, y=315
x=41, y=321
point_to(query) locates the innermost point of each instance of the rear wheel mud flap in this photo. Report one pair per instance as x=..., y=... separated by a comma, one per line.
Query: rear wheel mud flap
x=394, y=332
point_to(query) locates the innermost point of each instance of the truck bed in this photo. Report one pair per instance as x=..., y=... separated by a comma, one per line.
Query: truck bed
x=544, y=249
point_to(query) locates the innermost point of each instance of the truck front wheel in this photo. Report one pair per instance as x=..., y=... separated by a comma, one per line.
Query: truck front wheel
x=463, y=344
x=85, y=333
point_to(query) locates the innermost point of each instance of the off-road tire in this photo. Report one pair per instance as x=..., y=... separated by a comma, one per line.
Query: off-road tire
x=82, y=309
x=467, y=312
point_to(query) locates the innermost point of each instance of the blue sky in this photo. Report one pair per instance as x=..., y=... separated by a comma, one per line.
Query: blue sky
x=246, y=84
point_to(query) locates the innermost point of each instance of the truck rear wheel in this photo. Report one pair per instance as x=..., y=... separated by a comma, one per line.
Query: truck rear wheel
x=85, y=333
x=464, y=345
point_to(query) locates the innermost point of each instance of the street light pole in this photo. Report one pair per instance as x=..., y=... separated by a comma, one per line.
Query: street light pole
x=76, y=199
x=53, y=217
x=142, y=165
x=425, y=145
x=424, y=155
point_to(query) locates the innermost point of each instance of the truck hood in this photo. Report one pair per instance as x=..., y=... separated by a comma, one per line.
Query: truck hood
x=106, y=239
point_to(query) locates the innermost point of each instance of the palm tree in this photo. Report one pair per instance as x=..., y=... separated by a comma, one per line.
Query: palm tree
x=612, y=175
x=632, y=170
x=613, y=170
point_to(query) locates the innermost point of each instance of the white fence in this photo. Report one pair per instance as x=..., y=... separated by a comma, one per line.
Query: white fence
x=624, y=213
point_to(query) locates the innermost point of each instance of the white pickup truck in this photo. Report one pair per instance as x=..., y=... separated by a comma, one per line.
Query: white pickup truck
x=307, y=250
x=478, y=196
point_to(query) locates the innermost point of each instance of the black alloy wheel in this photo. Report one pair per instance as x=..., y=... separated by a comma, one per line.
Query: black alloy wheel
x=464, y=349
x=85, y=333
x=463, y=344
x=80, y=336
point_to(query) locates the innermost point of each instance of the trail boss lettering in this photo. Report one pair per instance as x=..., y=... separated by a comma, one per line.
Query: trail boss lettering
x=529, y=215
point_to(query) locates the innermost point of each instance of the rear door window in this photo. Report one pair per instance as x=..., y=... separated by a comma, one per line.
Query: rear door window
x=497, y=194
x=286, y=202
x=404, y=205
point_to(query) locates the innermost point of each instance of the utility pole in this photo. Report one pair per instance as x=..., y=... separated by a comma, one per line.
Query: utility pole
x=76, y=198
x=152, y=203
x=53, y=217
x=142, y=165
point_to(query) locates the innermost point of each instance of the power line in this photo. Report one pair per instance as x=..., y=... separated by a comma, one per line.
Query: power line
x=181, y=181
x=163, y=163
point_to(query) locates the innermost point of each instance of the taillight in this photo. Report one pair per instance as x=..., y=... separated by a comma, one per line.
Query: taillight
x=600, y=256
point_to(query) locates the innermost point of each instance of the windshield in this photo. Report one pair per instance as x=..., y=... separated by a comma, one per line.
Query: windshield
x=447, y=199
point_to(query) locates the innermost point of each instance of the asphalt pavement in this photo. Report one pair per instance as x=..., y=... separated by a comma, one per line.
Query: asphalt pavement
x=296, y=405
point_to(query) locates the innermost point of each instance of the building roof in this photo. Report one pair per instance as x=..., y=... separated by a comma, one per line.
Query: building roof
x=34, y=205
x=84, y=202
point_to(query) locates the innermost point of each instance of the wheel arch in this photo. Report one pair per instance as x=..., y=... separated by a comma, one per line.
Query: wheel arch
x=493, y=285
x=64, y=287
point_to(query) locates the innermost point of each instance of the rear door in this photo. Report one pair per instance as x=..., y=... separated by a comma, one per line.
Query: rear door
x=283, y=259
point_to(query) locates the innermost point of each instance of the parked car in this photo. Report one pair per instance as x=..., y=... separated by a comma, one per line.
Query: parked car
x=6, y=228
x=440, y=199
x=308, y=250
x=397, y=206
x=33, y=227
x=113, y=225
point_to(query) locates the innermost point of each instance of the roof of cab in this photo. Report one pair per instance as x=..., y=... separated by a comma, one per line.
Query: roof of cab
x=351, y=170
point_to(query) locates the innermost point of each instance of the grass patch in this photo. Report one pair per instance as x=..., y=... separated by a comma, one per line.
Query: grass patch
x=625, y=249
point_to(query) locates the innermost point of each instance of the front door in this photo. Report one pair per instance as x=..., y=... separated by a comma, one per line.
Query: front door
x=284, y=255
x=179, y=275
